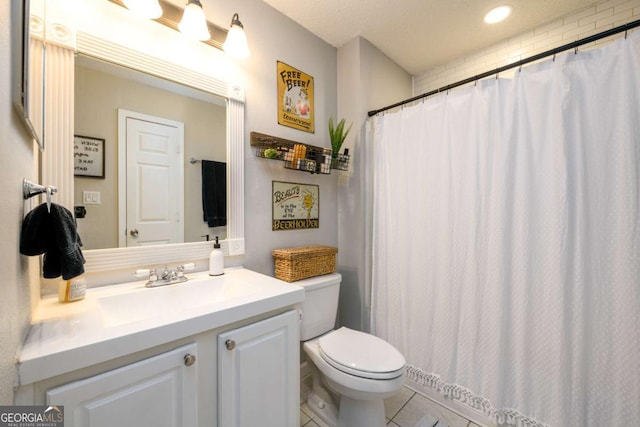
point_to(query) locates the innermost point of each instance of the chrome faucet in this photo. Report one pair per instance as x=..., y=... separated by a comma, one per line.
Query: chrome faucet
x=168, y=277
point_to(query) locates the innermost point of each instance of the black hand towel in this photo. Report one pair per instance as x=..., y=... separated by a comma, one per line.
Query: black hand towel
x=53, y=234
x=214, y=193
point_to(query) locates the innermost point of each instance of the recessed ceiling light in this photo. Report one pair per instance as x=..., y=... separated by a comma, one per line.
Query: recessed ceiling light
x=497, y=14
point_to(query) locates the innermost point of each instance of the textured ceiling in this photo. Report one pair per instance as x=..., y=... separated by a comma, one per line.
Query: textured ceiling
x=421, y=34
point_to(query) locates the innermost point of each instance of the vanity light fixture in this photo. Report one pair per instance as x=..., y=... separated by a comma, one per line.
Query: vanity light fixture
x=232, y=41
x=498, y=14
x=145, y=8
x=236, y=43
x=194, y=22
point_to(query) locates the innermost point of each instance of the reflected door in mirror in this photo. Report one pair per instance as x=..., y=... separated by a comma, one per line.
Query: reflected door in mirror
x=154, y=179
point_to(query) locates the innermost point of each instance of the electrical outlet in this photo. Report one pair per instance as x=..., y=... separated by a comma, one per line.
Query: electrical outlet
x=91, y=197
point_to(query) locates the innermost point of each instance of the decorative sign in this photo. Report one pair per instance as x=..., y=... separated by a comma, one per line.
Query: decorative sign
x=295, y=98
x=88, y=156
x=295, y=206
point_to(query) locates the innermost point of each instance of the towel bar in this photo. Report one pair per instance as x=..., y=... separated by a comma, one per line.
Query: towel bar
x=29, y=189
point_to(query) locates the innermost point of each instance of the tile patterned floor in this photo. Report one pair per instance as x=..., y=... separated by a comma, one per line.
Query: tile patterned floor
x=405, y=409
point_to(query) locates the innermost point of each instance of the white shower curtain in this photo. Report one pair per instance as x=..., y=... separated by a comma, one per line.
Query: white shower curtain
x=506, y=240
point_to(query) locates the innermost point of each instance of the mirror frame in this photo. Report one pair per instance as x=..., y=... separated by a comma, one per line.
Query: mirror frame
x=23, y=26
x=120, y=258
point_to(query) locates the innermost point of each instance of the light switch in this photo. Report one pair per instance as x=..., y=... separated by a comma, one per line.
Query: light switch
x=91, y=197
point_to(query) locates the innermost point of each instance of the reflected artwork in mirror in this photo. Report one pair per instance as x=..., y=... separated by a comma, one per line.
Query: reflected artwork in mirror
x=153, y=189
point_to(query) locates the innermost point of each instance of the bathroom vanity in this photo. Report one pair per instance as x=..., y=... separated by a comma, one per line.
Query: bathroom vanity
x=220, y=351
x=214, y=351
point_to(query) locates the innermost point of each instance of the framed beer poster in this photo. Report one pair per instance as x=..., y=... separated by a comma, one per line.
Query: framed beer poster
x=295, y=98
x=295, y=206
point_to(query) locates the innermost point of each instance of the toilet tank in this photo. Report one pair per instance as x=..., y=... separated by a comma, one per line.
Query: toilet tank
x=320, y=305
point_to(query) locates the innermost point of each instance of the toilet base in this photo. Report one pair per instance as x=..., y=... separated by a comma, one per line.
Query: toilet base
x=323, y=408
x=361, y=413
x=352, y=413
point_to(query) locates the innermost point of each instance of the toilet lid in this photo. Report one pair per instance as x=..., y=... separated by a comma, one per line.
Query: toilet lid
x=361, y=354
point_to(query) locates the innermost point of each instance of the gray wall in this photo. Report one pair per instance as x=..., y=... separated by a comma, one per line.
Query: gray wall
x=19, y=274
x=367, y=80
x=273, y=37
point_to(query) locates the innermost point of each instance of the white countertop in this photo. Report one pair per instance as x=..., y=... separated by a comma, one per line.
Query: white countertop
x=114, y=321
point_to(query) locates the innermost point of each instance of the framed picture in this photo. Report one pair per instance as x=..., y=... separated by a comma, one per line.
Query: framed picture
x=295, y=98
x=295, y=206
x=88, y=156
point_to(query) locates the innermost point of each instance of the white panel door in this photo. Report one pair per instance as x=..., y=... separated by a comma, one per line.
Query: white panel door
x=258, y=374
x=154, y=180
x=160, y=391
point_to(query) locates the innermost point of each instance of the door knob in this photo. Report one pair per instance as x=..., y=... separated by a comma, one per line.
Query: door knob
x=134, y=232
x=230, y=344
x=189, y=359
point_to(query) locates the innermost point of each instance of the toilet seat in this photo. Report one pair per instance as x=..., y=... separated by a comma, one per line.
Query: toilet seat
x=361, y=354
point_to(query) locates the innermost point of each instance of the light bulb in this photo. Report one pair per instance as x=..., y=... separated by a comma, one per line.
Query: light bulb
x=145, y=8
x=194, y=23
x=236, y=43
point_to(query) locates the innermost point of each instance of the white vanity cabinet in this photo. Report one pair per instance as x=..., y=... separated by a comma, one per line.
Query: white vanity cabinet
x=160, y=391
x=242, y=374
x=258, y=374
x=211, y=352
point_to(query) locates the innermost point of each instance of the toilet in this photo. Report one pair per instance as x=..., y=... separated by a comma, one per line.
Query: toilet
x=353, y=372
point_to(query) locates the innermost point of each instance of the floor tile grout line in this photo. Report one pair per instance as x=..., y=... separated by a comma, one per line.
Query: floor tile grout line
x=302, y=409
x=402, y=407
x=393, y=419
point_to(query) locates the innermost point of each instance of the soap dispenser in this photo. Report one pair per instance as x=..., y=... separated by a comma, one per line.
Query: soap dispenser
x=216, y=260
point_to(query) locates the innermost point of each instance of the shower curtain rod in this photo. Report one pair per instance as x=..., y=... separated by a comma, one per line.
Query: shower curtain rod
x=551, y=52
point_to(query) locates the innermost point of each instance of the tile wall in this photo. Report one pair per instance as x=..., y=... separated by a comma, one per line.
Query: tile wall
x=600, y=17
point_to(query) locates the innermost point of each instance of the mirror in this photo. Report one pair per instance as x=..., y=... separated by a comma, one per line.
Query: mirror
x=152, y=104
x=28, y=65
x=154, y=49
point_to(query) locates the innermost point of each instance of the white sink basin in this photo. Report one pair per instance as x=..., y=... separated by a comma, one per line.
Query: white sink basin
x=121, y=319
x=169, y=300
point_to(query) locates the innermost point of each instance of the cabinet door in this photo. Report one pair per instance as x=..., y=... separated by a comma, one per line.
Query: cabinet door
x=258, y=374
x=155, y=392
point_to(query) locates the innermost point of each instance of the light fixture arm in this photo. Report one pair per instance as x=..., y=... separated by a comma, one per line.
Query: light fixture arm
x=235, y=20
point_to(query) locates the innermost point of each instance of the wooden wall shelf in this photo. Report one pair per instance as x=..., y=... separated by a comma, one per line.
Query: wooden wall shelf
x=297, y=155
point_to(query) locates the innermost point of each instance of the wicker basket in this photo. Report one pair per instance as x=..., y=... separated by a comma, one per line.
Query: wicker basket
x=307, y=261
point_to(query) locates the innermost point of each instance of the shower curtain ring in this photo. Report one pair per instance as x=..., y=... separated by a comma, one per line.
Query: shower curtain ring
x=626, y=32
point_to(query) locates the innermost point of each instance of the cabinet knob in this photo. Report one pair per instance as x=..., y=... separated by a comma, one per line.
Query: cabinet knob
x=134, y=232
x=189, y=359
x=230, y=344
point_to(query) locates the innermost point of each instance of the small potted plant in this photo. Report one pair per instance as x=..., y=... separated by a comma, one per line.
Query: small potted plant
x=337, y=135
